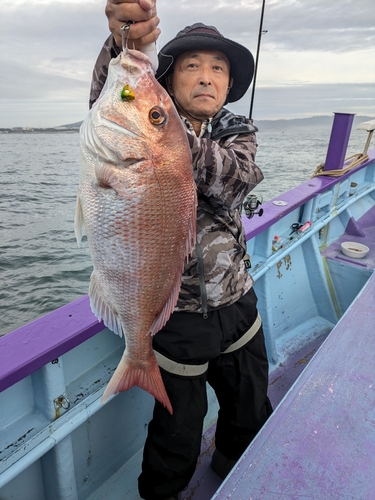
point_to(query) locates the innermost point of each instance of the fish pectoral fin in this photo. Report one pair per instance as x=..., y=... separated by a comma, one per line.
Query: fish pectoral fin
x=105, y=174
x=107, y=177
x=79, y=223
x=130, y=372
x=101, y=308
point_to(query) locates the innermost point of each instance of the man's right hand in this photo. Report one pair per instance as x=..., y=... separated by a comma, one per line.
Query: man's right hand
x=142, y=12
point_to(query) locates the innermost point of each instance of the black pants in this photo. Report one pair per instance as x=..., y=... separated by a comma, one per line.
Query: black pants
x=239, y=379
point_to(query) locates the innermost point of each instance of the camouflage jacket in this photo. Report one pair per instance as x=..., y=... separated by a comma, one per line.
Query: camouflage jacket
x=224, y=172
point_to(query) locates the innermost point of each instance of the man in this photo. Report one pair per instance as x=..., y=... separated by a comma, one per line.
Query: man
x=215, y=334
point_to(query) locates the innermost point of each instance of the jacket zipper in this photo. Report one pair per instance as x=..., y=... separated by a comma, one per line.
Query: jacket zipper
x=202, y=282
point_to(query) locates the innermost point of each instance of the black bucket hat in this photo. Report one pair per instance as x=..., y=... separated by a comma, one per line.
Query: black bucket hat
x=202, y=37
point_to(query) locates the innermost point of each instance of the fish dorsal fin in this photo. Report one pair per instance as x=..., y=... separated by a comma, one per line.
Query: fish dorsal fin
x=101, y=308
x=163, y=317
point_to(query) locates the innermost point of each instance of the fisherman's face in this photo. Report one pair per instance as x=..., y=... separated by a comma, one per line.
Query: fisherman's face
x=200, y=82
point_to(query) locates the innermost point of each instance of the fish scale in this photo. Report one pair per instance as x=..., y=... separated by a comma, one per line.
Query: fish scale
x=137, y=203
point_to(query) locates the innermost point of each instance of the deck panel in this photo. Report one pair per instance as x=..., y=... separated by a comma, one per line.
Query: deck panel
x=320, y=442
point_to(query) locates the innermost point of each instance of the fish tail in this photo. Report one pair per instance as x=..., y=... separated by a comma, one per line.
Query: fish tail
x=147, y=377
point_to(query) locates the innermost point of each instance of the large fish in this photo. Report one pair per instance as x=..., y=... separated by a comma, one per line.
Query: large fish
x=137, y=203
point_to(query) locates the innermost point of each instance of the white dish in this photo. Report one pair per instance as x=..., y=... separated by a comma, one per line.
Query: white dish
x=354, y=250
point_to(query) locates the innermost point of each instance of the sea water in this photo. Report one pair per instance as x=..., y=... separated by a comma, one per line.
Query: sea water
x=41, y=265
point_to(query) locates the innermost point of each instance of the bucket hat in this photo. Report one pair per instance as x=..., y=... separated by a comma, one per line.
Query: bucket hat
x=202, y=37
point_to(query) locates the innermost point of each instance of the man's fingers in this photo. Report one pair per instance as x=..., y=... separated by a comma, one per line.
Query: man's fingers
x=140, y=30
x=145, y=4
x=145, y=21
x=129, y=11
x=146, y=40
x=139, y=34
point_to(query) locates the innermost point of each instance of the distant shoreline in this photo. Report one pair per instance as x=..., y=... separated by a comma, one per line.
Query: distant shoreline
x=29, y=130
x=262, y=125
x=305, y=123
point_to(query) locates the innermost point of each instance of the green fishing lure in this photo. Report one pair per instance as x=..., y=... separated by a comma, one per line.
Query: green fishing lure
x=127, y=93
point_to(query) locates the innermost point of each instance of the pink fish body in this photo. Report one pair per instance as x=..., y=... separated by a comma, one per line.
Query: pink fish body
x=137, y=203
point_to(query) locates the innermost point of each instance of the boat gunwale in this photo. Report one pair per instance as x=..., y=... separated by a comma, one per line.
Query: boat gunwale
x=26, y=349
x=297, y=197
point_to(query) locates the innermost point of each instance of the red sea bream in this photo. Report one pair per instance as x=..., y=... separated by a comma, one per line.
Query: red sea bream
x=137, y=204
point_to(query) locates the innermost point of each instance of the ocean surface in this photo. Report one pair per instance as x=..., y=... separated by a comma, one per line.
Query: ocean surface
x=41, y=265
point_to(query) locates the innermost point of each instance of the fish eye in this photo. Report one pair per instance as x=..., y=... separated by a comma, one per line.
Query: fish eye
x=157, y=115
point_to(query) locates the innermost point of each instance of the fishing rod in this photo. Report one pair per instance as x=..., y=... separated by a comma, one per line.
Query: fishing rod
x=257, y=59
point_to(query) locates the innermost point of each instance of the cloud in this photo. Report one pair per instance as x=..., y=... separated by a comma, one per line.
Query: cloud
x=48, y=50
x=320, y=25
x=20, y=81
x=59, y=39
x=302, y=101
x=294, y=25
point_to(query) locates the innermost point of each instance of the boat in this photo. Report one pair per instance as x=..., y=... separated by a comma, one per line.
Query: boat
x=58, y=441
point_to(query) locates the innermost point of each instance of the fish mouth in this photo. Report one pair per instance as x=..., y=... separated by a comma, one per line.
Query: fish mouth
x=116, y=126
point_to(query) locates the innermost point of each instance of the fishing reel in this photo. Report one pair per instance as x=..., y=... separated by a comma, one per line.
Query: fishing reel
x=251, y=204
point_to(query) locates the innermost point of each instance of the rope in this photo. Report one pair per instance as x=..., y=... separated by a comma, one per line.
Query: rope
x=360, y=158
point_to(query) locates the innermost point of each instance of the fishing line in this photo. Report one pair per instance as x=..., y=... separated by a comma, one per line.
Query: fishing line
x=170, y=65
x=125, y=31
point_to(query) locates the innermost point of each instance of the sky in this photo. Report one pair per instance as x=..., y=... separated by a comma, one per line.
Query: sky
x=316, y=57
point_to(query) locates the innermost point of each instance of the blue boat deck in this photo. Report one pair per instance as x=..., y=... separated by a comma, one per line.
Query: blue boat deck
x=205, y=483
x=320, y=441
